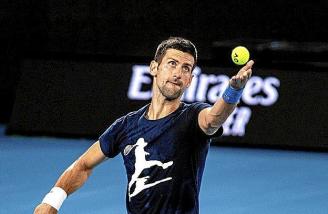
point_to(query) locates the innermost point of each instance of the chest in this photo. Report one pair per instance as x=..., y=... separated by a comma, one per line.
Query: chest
x=163, y=142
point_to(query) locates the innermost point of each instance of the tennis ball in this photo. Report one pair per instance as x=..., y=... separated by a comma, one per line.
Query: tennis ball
x=240, y=55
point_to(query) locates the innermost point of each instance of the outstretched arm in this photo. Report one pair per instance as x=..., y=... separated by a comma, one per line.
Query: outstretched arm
x=211, y=119
x=75, y=175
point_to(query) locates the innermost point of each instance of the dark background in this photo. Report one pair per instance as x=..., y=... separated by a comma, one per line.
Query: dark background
x=290, y=36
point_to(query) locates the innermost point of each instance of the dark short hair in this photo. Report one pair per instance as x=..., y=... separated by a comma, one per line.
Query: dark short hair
x=177, y=43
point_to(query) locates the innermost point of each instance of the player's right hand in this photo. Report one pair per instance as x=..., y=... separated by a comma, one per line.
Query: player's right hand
x=45, y=209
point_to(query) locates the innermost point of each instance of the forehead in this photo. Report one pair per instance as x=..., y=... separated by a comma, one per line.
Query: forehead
x=181, y=56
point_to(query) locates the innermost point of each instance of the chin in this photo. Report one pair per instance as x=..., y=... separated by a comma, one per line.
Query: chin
x=172, y=96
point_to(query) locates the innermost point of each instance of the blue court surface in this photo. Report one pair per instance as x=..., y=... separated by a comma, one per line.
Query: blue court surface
x=236, y=180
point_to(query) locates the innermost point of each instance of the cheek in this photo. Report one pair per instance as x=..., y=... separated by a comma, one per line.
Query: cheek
x=161, y=78
x=163, y=73
x=187, y=80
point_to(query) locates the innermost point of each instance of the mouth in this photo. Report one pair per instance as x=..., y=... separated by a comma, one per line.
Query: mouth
x=175, y=83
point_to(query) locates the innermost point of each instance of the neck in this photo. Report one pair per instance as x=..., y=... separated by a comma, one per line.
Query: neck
x=161, y=107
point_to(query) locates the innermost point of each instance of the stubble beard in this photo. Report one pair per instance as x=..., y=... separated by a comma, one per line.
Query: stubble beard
x=170, y=94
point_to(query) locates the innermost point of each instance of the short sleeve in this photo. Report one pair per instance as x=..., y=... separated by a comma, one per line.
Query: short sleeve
x=109, y=140
x=196, y=109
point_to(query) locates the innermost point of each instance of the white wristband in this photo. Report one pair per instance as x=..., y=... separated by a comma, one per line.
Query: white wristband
x=55, y=197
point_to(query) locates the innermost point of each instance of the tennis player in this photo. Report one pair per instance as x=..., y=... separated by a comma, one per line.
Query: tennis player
x=164, y=144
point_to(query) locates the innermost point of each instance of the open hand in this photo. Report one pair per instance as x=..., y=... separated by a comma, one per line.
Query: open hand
x=239, y=81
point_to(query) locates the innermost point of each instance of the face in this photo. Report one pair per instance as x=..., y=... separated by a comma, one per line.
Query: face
x=174, y=73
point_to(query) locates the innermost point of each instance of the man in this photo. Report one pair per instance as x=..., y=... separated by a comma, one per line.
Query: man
x=164, y=144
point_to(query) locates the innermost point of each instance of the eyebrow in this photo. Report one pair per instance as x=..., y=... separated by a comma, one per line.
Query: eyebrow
x=178, y=61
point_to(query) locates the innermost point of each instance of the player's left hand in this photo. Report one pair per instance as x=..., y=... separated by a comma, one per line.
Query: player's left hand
x=240, y=79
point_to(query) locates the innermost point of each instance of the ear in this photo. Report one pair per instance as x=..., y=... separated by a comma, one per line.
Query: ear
x=153, y=68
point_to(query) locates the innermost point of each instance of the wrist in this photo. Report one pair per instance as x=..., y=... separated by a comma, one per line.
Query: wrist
x=232, y=95
x=55, y=197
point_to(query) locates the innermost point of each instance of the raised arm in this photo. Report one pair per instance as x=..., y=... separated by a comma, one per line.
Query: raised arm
x=71, y=180
x=212, y=118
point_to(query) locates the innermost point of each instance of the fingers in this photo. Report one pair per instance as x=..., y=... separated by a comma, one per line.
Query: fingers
x=236, y=82
x=233, y=81
x=239, y=81
x=244, y=75
x=248, y=74
x=247, y=69
x=249, y=65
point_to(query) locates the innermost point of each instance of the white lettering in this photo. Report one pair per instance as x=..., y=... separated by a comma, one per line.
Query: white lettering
x=270, y=91
x=236, y=123
x=215, y=92
x=138, y=78
x=209, y=88
x=204, y=81
x=243, y=114
x=252, y=88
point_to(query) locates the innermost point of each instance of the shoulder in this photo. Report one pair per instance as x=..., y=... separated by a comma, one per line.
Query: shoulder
x=192, y=110
x=135, y=114
x=130, y=117
x=119, y=125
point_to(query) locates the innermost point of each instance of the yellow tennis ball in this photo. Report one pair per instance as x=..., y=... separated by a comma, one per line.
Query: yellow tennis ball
x=240, y=55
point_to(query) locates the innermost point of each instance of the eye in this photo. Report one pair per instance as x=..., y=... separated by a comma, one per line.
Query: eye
x=172, y=63
x=186, y=69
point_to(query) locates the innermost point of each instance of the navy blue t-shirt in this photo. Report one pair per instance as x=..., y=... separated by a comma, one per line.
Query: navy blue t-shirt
x=164, y=159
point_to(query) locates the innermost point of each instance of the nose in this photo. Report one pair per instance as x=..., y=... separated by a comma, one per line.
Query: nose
x=177, y=73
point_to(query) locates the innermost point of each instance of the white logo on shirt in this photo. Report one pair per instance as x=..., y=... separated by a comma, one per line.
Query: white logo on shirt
x=141, y=164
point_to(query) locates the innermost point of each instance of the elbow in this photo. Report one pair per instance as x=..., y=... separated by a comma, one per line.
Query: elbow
x=211, y=130
x=79, y=167
x=211, y=126
x=74, y=176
